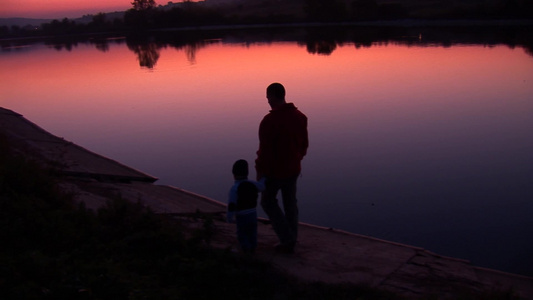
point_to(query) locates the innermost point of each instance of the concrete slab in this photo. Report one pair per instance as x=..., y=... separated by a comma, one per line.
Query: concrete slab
x=322, y=254
x=160, y=198
x=64, y=156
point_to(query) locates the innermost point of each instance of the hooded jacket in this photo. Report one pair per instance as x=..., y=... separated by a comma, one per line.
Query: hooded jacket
x=283, y=142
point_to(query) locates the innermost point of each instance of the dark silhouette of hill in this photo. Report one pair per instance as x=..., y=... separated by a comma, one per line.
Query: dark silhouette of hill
x=327, y=10
x=253, y=12
x=22, y=21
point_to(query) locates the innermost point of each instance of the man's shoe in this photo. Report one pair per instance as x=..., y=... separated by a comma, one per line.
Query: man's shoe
x=284, y=249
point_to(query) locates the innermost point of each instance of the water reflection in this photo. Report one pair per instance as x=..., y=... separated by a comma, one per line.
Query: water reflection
x=321, y=47
x=147, y=53
x=324, y=41
x=316, y=40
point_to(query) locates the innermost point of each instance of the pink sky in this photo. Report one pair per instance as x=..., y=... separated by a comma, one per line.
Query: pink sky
x=58, y=9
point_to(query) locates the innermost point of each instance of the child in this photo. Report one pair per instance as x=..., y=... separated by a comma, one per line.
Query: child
x=242, y=204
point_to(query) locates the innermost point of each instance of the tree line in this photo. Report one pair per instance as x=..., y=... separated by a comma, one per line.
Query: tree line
x=147, y=15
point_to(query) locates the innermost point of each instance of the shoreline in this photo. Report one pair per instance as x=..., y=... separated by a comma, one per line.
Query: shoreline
x=379, y=23
x=402, y=23
x=323, y=254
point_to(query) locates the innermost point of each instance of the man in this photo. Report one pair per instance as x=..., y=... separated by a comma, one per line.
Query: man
x=283, y=143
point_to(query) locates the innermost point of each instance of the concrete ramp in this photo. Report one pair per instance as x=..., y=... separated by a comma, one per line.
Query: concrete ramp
x=62, y=155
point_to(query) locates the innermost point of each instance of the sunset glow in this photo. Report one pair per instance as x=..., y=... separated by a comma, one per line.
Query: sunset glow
x=57, y=9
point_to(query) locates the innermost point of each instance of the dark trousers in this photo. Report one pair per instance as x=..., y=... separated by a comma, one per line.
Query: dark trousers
x=247, y=231
x=284, y=222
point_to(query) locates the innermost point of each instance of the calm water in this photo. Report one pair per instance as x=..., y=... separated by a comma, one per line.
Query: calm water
x=411, y=140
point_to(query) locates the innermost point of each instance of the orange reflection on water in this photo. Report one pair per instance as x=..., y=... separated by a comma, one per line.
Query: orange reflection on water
x=226, y=73
x=211, y=82
x=204, y=92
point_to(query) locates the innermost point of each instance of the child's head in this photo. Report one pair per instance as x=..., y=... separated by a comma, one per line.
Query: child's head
x=240, y=169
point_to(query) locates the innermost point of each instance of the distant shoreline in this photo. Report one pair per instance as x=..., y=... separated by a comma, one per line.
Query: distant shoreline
x=391, y=23
x=400, y=22
x=403, y=23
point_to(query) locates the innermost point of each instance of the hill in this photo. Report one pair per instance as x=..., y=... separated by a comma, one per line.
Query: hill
x=21, y=22
x=252, y=12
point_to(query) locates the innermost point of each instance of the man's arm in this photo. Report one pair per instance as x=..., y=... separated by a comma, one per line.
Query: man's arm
x=265, y=154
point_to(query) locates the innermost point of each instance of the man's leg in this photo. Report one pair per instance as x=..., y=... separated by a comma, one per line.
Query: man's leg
x=252, y=233
x=275, y=214
x=290, y=206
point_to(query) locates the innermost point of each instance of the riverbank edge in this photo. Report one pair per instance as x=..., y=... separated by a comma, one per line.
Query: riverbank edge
x=389, y=265
x=403, y=23
x=379, y=23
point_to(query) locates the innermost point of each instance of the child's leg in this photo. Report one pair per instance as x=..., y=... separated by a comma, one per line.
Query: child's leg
x=247, y=231
x=243, y=235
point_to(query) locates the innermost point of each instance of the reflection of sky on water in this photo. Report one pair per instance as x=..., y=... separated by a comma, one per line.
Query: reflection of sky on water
x=427, y=146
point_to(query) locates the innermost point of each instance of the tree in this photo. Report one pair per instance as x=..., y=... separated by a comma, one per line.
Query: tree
x=141, y=15
x=325, y=10
x=365, y=9
x=141, y=5
x=98, y=23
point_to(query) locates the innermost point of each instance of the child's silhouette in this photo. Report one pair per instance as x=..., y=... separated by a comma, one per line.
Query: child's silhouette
x=242, y=205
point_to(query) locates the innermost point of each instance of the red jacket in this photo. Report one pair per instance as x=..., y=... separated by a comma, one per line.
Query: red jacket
x=283, y=142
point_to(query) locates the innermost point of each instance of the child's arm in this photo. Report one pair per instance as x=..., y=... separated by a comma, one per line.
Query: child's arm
x=260, y=184
x=230, y=215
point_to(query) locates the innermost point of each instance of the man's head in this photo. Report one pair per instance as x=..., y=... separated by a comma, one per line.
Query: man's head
x=275, y=94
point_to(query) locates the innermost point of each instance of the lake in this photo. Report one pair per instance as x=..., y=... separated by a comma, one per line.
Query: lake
x=418, y=136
